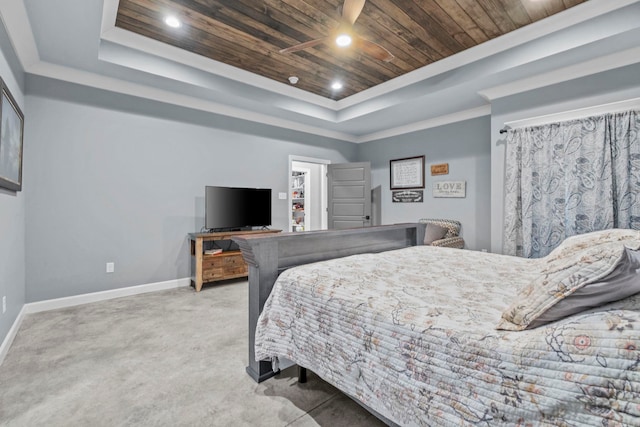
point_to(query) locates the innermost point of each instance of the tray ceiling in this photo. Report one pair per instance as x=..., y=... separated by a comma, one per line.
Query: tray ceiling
x=249, y=35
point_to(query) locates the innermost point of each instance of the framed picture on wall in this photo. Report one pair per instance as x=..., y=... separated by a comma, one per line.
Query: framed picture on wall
x=11, y=134
x=407, y=173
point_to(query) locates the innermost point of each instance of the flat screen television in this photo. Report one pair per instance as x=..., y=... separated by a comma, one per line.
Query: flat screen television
x=230, y=208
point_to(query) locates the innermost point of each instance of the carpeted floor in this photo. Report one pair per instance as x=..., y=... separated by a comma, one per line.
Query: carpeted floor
x=171, y=358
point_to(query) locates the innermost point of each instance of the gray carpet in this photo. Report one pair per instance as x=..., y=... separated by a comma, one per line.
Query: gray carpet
x=170, y=358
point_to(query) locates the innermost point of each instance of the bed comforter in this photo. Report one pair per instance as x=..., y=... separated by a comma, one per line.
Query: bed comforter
x=411, y=334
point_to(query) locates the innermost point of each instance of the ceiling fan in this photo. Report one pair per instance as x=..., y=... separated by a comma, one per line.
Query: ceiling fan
x=344, y=35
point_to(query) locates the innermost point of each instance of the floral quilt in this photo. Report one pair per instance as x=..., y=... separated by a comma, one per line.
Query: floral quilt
x=411, y=334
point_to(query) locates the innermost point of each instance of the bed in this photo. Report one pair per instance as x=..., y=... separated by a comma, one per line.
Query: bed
x=423, y=335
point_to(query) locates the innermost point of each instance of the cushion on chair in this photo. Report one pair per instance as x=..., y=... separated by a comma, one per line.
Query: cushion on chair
x=452, y=225
x=434, y=232
x=456, y=242
x=451, y=238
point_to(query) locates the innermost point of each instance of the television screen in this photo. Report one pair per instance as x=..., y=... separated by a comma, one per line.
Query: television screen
x=231, y=207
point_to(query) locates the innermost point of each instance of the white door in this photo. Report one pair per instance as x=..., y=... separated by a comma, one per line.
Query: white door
x=349, y=195
x=307, y=193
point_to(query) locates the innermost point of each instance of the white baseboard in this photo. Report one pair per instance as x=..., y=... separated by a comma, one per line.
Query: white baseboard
x=53, y=304
x=8, y=340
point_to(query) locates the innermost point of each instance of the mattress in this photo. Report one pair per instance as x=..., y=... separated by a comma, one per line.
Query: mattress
x=412, y=335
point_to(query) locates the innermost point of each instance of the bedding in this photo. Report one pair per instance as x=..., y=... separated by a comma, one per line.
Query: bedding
x=411, y=334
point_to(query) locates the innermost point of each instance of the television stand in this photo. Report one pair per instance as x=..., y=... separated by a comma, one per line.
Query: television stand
x=206, y=268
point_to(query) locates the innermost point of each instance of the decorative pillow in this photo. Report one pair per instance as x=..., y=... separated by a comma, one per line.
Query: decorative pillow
x=562, y=277
x=434, y=232
x=622, y=282
x=579, y=242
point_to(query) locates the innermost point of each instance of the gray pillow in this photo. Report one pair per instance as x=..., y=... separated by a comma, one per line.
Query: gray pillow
x=622, y=282
x=434, y=232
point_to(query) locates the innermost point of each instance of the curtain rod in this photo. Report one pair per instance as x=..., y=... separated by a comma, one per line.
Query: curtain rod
x=613, y=107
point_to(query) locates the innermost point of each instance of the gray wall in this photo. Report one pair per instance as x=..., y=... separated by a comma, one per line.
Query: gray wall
x=12, y=208
x=466, y=147
x=118, y=186
x=599, y=89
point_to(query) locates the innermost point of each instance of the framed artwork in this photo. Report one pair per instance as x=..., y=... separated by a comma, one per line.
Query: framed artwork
x=407, y=173
x=11, y=134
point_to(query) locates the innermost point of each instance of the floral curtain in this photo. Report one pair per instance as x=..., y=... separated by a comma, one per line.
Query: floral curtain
x=571, y=178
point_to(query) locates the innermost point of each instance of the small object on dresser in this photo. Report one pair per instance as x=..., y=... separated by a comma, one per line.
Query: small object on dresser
x=213, y=251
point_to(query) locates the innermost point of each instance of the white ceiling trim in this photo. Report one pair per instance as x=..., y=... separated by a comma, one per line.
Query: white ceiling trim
x=459, y=116
x=596, y=110
x=98, y=81
x=109, y=15
x=16, y=21
x=583, y=69
x=175, y=54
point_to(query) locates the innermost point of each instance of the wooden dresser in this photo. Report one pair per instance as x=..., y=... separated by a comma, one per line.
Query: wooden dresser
x=225, y=265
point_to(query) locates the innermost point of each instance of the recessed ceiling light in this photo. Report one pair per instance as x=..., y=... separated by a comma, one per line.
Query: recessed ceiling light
x=343, y=40
x=172, y=21
x=336, y=86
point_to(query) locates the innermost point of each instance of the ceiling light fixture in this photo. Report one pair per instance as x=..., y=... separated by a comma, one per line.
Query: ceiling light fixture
x=172, y=21
x=336, y=86
x=343, y=40
x=293, y=80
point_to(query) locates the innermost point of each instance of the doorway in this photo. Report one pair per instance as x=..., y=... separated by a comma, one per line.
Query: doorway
x=307, y=206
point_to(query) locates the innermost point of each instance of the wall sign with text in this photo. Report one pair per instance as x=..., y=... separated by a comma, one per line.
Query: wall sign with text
x=441, y=169
x=450, y=189
x=407, y=173
x=407, y=196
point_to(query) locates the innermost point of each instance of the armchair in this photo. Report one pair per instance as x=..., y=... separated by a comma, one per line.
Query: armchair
x=443, y=232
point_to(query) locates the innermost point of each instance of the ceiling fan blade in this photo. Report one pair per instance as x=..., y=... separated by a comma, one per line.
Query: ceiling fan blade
x=351, y=9
x=305, y=45
x=373, y=49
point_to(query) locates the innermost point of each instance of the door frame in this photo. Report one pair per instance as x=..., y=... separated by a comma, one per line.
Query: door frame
x=304, y=159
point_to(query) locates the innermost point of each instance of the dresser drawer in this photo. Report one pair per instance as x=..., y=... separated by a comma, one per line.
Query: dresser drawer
x=240, y=270
x=212, y=274
x=213, y=261
x=234, y=261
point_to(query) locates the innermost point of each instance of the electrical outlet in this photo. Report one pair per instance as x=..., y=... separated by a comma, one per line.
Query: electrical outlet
x=4, y=305
x=111, y=267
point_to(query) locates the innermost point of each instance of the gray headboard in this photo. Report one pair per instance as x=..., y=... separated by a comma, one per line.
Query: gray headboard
x=269, y=255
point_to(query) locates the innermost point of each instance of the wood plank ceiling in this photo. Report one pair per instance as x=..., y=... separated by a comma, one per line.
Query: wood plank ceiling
x=249, y=34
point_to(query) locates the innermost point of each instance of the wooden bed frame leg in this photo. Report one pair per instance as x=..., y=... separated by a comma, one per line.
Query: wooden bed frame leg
x=302, y=375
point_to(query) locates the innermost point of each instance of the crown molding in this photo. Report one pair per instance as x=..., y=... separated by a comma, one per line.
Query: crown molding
x=98, y=81
x=595, y=110
x=459, y=116
x=15, y=19
x=583, y=69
